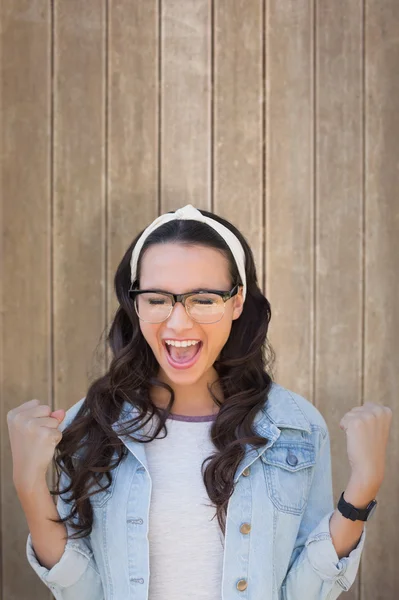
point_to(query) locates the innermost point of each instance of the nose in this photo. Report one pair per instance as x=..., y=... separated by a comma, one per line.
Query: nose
x=179, y=319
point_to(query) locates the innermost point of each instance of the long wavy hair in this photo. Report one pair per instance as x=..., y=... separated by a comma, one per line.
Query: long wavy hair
x=90, y=448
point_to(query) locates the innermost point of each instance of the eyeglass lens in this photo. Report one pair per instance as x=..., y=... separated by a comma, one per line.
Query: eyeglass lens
x=156, y=307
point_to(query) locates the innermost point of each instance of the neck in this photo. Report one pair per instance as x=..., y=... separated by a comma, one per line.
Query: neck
x=192, y=400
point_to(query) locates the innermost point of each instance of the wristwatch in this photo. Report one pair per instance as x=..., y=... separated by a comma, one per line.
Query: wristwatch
x=356, y=514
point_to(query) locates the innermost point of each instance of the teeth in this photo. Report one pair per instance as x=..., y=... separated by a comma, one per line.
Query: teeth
x=183, y=344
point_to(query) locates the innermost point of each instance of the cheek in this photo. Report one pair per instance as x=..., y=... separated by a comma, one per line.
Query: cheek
x=218, y=336
x=150, y=333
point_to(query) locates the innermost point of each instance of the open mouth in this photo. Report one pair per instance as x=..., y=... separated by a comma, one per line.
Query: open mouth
x=182, y=358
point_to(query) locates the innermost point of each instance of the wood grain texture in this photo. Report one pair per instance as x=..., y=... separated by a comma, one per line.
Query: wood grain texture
x=79, y=213
x=380, y=573
x=339, y=223
x=25, y=257
x=238, y=119
x=289, y=189
x=133, y=129
x=185, y=104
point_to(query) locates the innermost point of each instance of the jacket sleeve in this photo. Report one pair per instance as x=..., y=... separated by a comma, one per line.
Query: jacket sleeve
x=75, y=576
x=315, y=565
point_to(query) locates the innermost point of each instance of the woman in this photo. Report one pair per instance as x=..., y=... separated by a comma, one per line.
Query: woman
x=186, y=425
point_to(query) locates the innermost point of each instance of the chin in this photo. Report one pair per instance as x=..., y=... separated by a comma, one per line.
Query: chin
x=184, y=377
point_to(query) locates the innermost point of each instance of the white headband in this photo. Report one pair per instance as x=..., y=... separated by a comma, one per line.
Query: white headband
x=188, y=212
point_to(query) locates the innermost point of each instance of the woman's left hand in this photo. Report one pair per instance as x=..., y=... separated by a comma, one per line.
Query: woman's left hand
x=367, y=430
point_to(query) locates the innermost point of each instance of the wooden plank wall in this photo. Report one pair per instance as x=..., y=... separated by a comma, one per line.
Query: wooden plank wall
x=278, y=114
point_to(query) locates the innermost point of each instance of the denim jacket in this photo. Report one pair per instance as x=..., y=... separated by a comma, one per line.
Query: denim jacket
x=283, y=489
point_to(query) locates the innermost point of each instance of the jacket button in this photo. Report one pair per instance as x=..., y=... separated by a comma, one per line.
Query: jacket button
x=246, y=472
x=292, y=459
x=242, y=585
x=245, y=528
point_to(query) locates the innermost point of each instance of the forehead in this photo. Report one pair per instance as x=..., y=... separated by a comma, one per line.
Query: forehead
x=179, y=268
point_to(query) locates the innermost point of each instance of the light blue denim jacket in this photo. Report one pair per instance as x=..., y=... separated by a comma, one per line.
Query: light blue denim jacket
x=282, y=489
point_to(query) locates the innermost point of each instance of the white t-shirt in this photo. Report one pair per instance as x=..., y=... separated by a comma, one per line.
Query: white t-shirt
x=186, y=544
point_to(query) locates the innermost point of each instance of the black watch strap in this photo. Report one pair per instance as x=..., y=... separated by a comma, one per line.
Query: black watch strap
x=355, y=514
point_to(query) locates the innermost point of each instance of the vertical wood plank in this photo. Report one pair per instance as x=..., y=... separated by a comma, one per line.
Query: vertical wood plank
x=339, y=223
x=289, y=189
x=185, y=103
x=79, y=211
x=132, y=126
x=380, y=574
x=238, y=119
x=25, y=259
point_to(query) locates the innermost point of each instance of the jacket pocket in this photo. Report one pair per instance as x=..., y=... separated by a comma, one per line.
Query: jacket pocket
x=101, y=498
x=288, y=468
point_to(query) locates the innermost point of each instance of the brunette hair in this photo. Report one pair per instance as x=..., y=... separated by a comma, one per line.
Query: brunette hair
x=90, y=448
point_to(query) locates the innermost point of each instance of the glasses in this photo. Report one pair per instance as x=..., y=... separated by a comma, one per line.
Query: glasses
x=203, y=306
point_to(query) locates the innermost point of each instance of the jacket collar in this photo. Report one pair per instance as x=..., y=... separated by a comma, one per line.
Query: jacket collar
x=280, y=411
x=283, y=411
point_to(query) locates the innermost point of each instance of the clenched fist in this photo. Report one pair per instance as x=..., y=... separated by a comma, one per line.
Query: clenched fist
x=34, y=434
x=367, y=429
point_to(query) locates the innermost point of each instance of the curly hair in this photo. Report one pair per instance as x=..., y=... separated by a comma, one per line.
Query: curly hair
x=90, y=448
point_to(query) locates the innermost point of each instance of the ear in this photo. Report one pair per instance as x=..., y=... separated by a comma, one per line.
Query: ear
x=238, y=304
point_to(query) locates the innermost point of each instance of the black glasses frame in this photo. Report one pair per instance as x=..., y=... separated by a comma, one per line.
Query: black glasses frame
x=183, y=297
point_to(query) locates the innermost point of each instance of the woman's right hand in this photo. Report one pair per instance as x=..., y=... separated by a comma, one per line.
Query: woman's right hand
x=34, y=434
